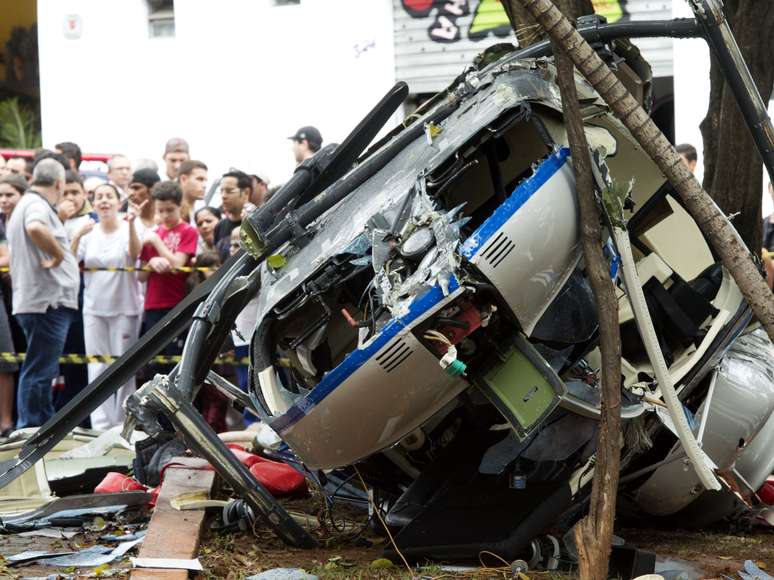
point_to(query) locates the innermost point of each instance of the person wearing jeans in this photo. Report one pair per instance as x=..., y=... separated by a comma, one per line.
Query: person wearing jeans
x=45, y=280
x=45, y=334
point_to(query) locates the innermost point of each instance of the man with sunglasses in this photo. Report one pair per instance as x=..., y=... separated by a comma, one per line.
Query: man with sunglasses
x=236, y=187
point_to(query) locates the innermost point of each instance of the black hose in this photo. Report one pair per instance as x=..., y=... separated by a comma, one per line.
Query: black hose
x=202, y=324
x=599, y=32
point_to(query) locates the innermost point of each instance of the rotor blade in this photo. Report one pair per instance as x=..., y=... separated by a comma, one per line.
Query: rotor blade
x=358, y=139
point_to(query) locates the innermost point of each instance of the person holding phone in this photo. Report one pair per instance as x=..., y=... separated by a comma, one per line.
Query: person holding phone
x=112, y=303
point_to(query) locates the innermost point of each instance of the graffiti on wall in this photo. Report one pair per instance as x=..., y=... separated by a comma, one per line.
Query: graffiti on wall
x=488, y=17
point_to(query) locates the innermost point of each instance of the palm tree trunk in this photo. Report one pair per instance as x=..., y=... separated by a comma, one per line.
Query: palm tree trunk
x=594, y=533
x=713, y=223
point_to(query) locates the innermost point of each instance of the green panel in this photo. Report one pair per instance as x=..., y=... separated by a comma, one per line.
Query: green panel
x=520, y=391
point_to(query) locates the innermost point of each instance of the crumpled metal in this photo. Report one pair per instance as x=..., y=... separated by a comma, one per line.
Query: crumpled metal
x=440, y=263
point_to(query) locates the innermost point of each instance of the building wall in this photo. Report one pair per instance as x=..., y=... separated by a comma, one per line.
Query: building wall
x=238, y=77
x=435, y=40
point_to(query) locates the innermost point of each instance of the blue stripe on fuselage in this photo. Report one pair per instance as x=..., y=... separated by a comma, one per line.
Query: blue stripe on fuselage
x=359, y=357
x=526, y=189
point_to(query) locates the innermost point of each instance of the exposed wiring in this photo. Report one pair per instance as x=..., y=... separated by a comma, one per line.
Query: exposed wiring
x=384, y=525
x=437, y=336
x=487, y=552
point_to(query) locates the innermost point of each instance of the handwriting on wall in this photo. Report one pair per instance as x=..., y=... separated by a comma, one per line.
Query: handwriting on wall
x=445, y=17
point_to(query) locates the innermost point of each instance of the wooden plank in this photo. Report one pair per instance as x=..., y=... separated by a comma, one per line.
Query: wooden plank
x=172, y=533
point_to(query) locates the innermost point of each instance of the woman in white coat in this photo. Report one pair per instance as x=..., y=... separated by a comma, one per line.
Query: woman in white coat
x=112, y=303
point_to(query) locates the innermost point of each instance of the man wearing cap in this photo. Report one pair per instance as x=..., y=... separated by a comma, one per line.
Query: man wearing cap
x=175, y=152
x=140, y=187
x=306, y=142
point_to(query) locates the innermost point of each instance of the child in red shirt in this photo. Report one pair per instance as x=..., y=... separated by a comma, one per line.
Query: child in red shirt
x=171, y=244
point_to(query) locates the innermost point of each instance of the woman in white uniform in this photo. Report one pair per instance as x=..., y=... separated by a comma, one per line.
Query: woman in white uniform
x=112, y=303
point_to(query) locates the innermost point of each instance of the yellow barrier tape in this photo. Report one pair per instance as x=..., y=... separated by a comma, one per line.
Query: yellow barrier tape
x=106, y=358
x=186, y=269
x=769, y=255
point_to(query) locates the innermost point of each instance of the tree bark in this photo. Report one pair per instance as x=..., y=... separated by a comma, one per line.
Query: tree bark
x=733, y=171
x=594, y=533
x=527, y=30
x=713, y=223
x=710, y=125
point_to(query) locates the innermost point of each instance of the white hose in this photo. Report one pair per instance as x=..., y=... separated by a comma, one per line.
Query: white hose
x=698, y=458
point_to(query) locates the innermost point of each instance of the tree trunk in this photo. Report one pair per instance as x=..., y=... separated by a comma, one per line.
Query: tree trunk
x=527, y=30
x=713, y=223
x=733, y=170
x=594, y=533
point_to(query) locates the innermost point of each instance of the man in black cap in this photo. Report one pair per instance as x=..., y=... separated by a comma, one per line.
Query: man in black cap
x=306, y=142
x=140, y=187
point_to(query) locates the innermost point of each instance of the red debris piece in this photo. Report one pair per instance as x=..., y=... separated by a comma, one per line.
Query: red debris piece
x=115, y=482
x=279, y=479
x=766, y=492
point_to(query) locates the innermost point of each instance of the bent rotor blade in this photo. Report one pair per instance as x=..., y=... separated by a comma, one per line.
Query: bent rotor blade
x=97, y=392
x=359, y=138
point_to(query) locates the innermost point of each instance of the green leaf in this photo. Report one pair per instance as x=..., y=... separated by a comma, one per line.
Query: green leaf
x=18, y=126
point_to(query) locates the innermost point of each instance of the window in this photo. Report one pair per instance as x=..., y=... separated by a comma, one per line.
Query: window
x=161, y=18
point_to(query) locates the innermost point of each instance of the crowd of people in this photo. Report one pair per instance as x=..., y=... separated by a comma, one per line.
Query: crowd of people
x=95, y=261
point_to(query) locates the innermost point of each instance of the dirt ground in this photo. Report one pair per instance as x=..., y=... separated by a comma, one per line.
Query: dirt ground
x=355, y=551
x=349, y=549
x=711, y=554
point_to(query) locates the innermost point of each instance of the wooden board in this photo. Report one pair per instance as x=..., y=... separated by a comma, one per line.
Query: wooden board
x=172, y=533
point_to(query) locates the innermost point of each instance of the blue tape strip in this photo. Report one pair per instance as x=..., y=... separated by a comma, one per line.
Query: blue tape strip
x=359, y=357
x=526, y=189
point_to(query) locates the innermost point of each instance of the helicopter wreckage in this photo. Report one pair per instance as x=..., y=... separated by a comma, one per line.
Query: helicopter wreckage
x=424, y=321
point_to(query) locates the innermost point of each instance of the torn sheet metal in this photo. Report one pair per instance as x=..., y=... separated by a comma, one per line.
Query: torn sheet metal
x=55, y=533
x=32, y=556
x=79, y=506
x=93, y=556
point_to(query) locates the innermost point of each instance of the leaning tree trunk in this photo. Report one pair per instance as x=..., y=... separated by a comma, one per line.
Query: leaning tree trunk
x=713, y=223
x=594, y=533
x=528, y=31
x=733, y=170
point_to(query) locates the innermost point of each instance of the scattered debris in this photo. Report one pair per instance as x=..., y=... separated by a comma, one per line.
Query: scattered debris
x=753, y=572
x=168, y=563
x=283, y=574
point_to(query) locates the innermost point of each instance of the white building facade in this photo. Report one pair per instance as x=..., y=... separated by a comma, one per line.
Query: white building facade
x=235, y=77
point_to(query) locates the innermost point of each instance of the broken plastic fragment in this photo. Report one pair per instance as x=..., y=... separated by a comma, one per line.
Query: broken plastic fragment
x=276, y=261
x=431, y=132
